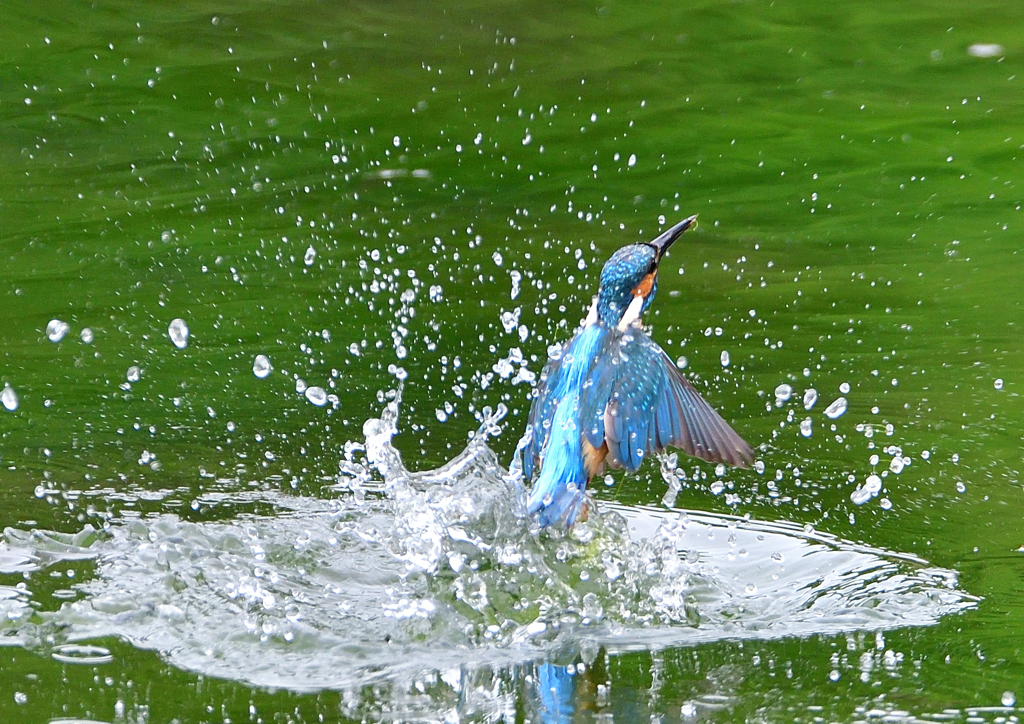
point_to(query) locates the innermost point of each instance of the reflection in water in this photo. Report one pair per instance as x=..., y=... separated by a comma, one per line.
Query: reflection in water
x=555, y=689
x=438, y=578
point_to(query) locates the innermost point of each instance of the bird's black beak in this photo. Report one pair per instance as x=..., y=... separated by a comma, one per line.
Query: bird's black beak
x=663, y=242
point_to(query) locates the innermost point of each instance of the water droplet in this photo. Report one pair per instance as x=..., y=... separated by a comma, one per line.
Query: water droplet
x=82, y=654
x=441, y=415
x=310, y=256
x=1008, y=698
x=845, y=388
x=759, y=467
x=896, y=465
x=300, y=385
x=782, y=393
x=998, y=384
x=87, y=335
x=751, y=589
x=885, y=503
x=436, y=293
x=9, y=398
x=961, y=487
x=985, y=50
x=836, y=409
x=177, y=330
x=682, y=362
x=316, y=395
x=688, y=710
x=873, y=485
x=134, y=374
x=56, y=329
x=806, y=427
x=834, y=675
x=725, y=358
x=860, y=496
x=261, y=366
x=810, y=397
x=925, y=454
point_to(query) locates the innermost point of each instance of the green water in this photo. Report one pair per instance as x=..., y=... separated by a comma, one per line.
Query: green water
x=855, y=171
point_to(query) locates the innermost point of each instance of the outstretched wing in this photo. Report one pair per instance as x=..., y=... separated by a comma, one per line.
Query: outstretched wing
x=639, y=403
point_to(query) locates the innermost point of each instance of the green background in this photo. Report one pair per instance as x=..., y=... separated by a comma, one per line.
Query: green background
x=855, y=169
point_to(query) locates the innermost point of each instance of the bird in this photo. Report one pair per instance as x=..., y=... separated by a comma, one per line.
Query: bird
x=612, y=397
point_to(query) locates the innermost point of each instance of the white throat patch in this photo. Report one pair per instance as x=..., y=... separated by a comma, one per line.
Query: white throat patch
x=632, y=313
x=591, y=315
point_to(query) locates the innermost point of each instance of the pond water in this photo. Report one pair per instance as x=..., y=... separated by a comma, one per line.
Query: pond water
x=278, y=279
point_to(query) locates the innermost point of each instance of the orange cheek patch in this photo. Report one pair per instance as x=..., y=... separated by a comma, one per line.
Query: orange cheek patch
x=644, y=287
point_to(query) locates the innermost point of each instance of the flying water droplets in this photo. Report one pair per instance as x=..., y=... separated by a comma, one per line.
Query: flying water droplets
x=985, y=50
x=860, y=496
x=836, y=409
x=782, y=394
x=998, y=384
x=87, y=336
x=177, y=330
x=516, y=278
x=725, y=358
x=316, y=395
x=261, y=366
x=9, y=398
x=310, y=256
x=806, y=427
x=134, y=373
x=56, y=329
x=871, y=488
x=810, y=397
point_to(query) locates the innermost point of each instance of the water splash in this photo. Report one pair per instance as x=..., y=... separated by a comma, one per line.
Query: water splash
x=396, y=574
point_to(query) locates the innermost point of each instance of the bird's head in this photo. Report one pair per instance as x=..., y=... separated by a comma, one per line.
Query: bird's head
x=632, y=272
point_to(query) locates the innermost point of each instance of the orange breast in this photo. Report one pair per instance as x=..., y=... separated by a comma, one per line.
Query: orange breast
x=593, y=458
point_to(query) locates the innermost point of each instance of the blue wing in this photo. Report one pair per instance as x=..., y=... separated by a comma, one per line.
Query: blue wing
x=639, y=403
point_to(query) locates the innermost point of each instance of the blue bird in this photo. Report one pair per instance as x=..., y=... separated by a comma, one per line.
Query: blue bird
x=611, y=396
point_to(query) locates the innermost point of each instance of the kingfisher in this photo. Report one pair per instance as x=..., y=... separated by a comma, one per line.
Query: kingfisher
x=611, y=396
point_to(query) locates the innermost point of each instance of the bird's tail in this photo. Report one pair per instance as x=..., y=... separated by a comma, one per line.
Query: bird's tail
x=555, y=500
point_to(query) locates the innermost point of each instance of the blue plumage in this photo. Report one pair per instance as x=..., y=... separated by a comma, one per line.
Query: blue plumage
x=612, y=396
